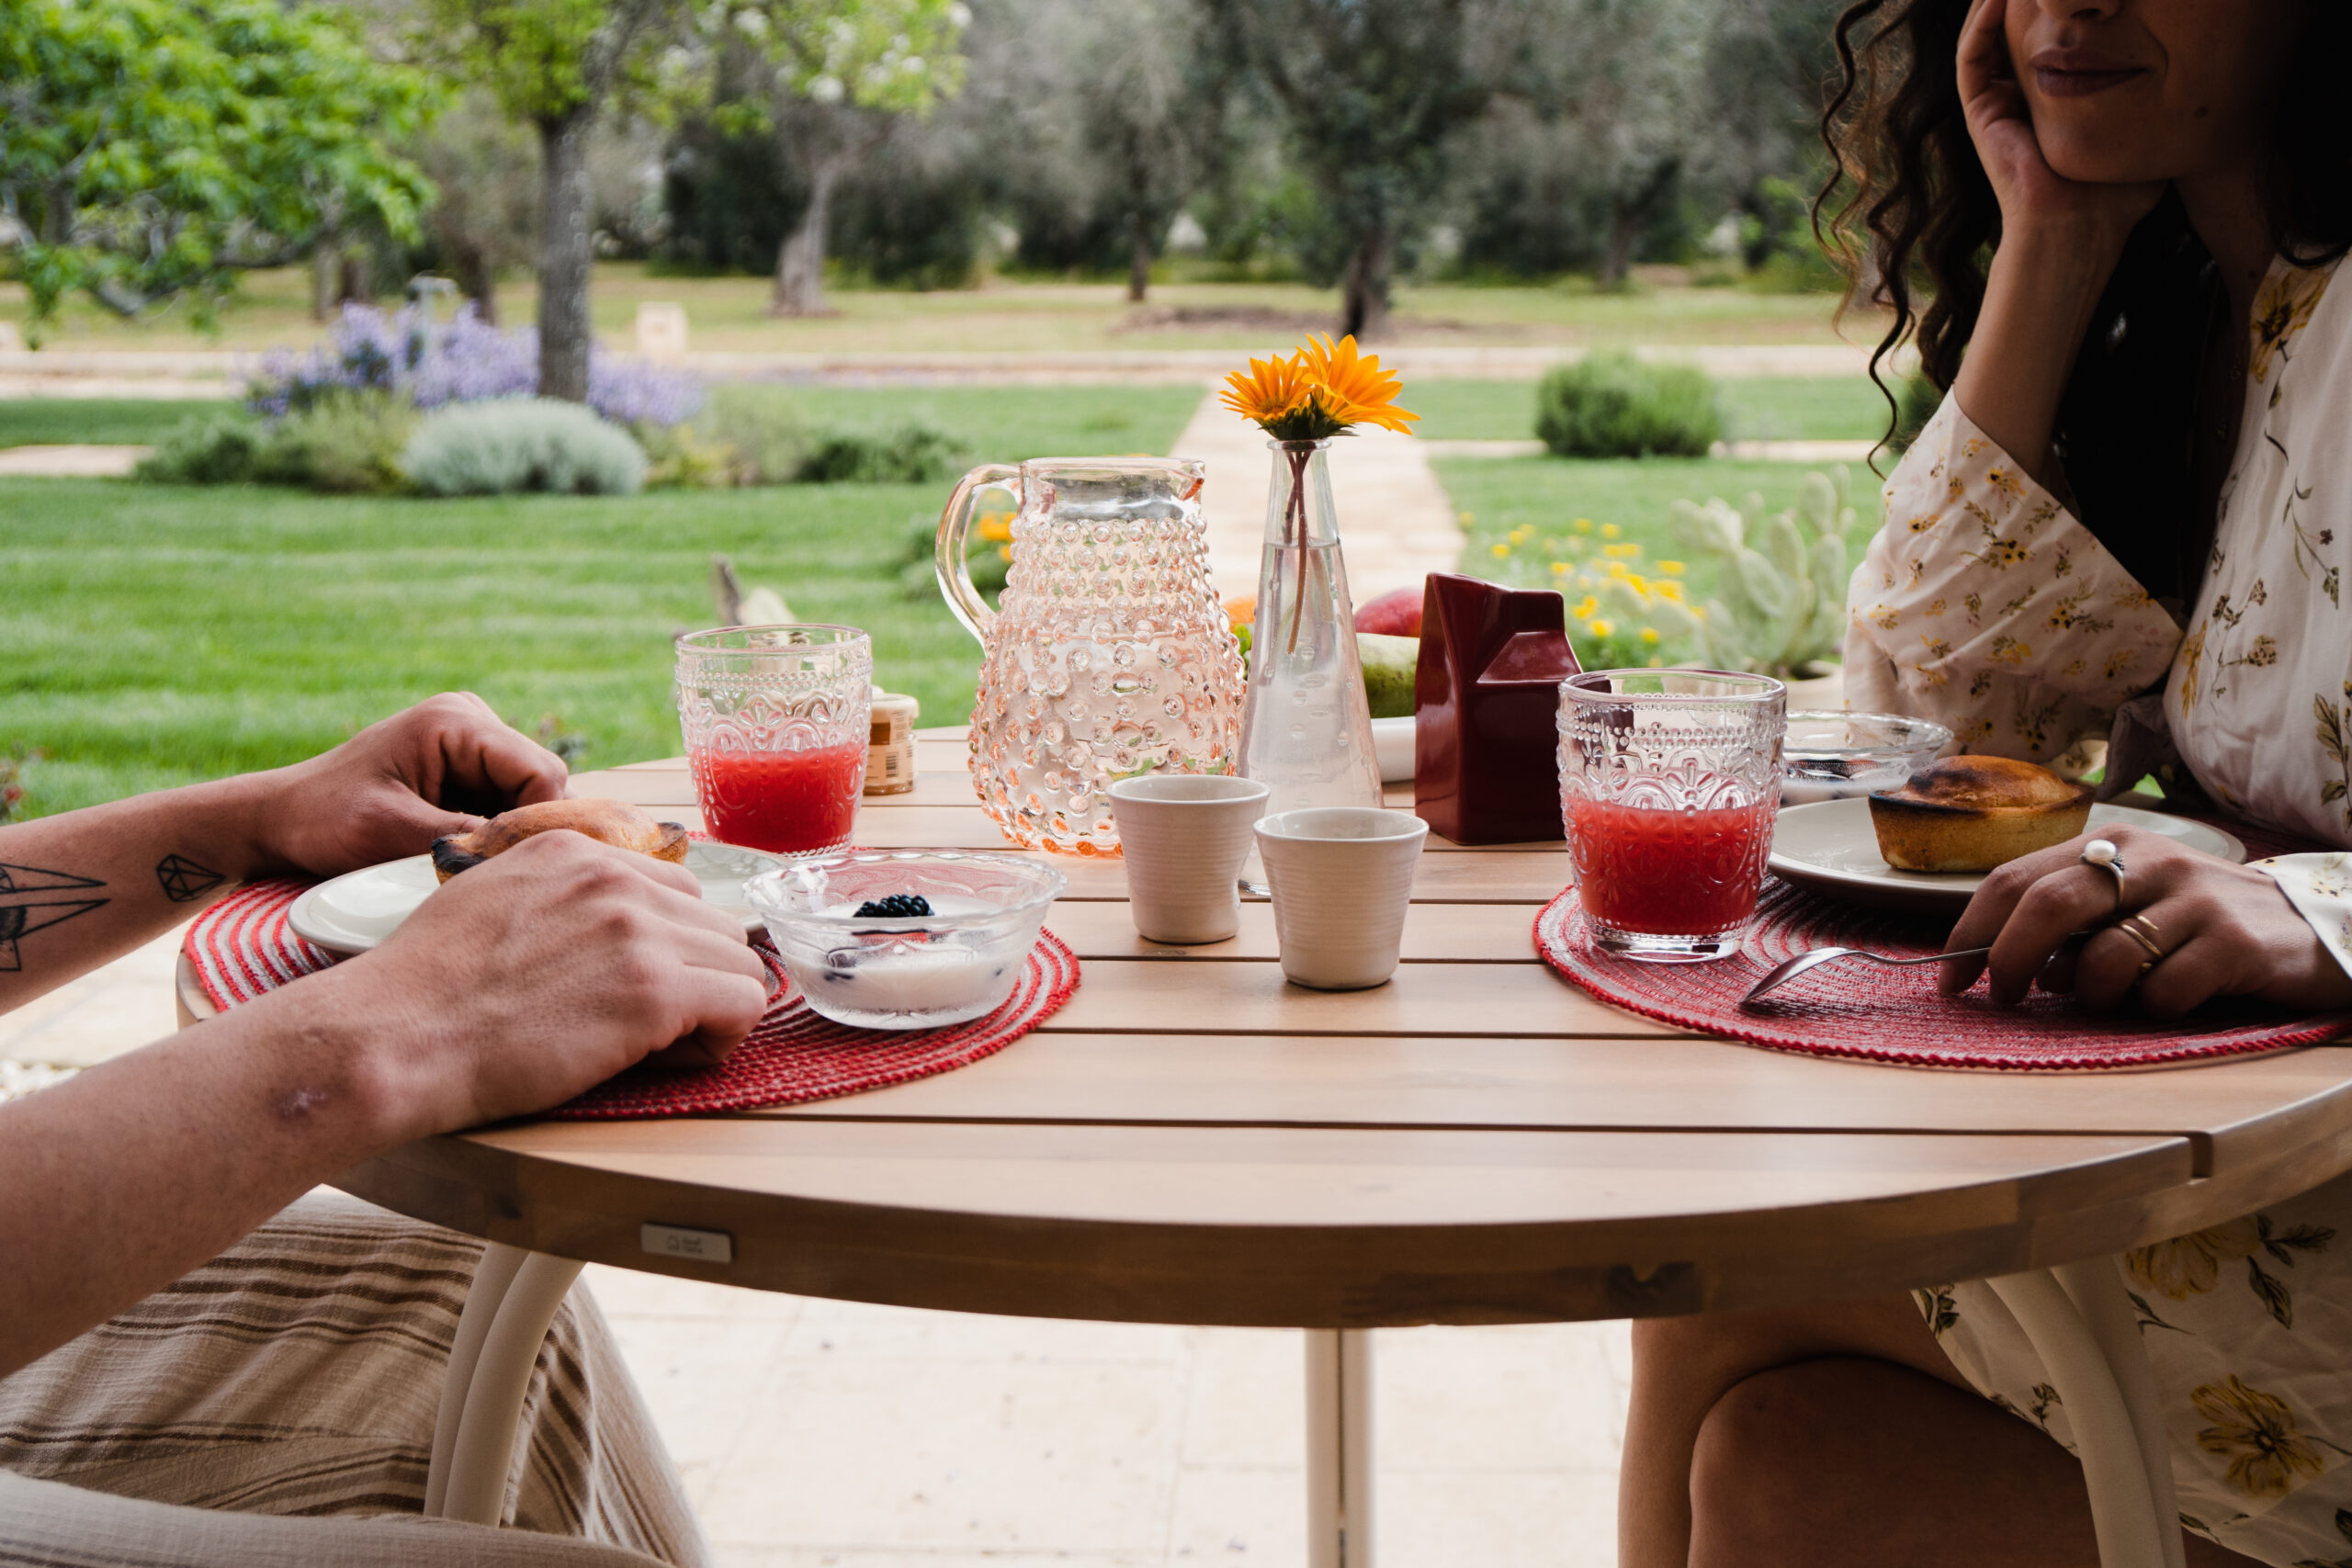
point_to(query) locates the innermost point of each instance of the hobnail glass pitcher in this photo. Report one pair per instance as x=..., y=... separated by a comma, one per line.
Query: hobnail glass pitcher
x=1109, y=655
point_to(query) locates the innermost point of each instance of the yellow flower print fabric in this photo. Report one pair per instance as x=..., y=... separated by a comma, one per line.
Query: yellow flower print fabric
x=1985, y=605
x=2320, y=888
x=2248, y=1326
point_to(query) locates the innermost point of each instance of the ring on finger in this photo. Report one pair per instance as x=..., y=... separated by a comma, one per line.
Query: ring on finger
x=2144, y=931
x=2103, y=855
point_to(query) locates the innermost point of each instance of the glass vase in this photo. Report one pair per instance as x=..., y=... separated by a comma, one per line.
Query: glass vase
x=1306, y=725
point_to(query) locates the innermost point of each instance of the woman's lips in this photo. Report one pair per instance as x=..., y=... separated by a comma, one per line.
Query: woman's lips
x=2078, y=84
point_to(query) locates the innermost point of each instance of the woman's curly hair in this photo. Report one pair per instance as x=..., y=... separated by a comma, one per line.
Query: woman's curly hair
x=1910, y=212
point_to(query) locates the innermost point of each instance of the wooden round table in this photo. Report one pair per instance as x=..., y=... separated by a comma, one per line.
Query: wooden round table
x=1192, y=1140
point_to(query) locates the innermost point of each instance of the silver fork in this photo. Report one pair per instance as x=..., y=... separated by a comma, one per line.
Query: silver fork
x=1782, y=974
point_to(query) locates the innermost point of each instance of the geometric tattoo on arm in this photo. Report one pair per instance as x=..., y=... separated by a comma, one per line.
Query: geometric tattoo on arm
x=26, y=905
x=185, y=880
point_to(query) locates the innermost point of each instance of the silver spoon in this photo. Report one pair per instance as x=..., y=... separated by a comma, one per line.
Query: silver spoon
x=1783, y=973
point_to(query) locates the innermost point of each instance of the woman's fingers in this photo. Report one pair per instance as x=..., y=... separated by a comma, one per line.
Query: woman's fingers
x=1984, y=48
x=2109, y=964
x=2085, y=896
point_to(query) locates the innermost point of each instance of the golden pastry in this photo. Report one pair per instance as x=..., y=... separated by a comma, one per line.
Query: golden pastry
x=614, y=822
x=1974, y=813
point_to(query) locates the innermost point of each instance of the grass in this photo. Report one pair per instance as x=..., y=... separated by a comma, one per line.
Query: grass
x=112, y=422
x=1810, y=409
x=272, y=310
x=1496, y=496
x=159, y=635
x=1003, y=424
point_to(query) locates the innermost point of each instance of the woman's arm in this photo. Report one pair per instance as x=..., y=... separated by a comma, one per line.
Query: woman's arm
x=83, y=888
x=2059, y=241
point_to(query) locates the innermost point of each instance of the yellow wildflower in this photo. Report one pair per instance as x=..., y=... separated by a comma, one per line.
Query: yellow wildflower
x=1559, y=568
x=1610, y=530
x=1351, y=387
x=1620, y=552
x=1502, y=551
x=1465, y=518
x=1649, y=634
x=1587, y=607
x=1670, y=568
x=1670, y=590
x=1602, y=629
x=1582, y=524
x=996, y=528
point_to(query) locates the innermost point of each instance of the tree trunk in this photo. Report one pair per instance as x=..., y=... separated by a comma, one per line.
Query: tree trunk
x=470, y=268
x=1625, y=229
x=1138, y=257
x=564, y=254
x=800, y=261
x=356, y=286
x=326, y=256
x=1365, y=304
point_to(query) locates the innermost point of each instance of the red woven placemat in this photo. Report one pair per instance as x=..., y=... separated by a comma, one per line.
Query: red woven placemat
x=1856, y=1009
x=242, y=948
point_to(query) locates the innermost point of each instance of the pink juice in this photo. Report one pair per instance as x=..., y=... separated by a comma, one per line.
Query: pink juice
x=784, y=802
x=1663, y=873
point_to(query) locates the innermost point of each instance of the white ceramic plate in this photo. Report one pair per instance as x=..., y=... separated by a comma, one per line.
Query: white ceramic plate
x=1830, y=846
x=1392, y=743
x=356, y=912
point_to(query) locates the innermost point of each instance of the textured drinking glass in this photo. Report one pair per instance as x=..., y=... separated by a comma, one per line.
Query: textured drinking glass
x=1670, y=784
x=1108, y=655
x=776, y=720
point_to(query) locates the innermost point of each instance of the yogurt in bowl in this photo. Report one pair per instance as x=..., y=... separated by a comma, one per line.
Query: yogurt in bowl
x=906, y=939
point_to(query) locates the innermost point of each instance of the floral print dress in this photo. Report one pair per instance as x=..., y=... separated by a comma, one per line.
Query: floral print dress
x=1984, y=605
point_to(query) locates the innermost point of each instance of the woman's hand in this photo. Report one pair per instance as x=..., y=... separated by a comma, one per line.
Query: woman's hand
x=2033, y=196
x=2225, y=930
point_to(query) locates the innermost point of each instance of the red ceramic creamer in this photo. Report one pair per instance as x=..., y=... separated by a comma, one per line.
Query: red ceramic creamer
x=1485, y=706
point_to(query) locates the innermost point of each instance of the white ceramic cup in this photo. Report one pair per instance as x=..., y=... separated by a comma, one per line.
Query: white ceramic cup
x=1184, y=837
x=1343, y=876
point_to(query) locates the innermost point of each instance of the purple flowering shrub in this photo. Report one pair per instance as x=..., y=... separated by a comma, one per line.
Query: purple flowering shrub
x=408, y=354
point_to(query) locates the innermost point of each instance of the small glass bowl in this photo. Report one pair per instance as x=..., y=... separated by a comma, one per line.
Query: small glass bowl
x=1837, y=756
x=908, y=972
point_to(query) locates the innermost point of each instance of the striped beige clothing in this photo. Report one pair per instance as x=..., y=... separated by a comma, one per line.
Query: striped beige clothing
x=299, y=1373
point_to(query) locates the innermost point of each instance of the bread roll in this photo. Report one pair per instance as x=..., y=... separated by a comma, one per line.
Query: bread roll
x=1974, y=813
x=614, y=822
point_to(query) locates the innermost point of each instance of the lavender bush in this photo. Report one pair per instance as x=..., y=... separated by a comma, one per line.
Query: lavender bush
x=466, y=360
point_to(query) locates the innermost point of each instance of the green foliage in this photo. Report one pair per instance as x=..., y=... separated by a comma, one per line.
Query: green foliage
x=767, y=437
x=913, y=454
x=148, y=149
x=345, y=443
x=542, y=59
x=1916, y=402
x=514, y=445
x=988, y=555
x=220, y=447
x=1612, y=405
x=1781, y=593
x=677, y=458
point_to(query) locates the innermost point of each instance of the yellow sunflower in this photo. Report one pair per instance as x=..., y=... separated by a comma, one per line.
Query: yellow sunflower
x=1352, y=386
x=1269, y=392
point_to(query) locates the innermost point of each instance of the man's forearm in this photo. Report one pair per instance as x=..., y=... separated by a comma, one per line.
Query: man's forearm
x=88, y=886
x=133, y=1173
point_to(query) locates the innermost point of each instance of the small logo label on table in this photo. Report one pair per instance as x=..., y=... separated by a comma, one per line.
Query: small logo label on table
x=677, y=1241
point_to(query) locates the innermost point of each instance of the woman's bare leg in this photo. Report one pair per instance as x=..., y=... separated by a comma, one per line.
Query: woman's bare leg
x=1834, y=1435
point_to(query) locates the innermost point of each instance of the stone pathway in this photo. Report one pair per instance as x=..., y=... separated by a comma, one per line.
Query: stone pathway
x=76, y=462
x=1395, y=523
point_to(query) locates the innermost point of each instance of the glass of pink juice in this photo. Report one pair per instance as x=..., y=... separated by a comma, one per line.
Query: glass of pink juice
x=1670, y=784
x=777, y=720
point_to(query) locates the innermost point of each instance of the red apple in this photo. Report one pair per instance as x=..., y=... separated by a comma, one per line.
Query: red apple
x=1391, y=615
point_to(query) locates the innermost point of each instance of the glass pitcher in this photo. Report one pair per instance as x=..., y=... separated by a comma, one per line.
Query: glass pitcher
x=1110, y=655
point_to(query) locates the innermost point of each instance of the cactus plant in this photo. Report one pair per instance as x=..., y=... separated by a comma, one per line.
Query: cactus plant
x=1781, y=604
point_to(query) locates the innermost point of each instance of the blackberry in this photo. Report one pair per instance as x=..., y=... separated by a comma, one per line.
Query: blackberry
x=896, y=907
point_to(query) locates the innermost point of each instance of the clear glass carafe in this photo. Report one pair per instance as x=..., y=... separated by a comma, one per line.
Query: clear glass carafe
x=1306, y=727
x=1109, y=655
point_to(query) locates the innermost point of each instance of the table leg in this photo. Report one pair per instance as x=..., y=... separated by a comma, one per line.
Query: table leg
x=482, y=1450
x=2089, y=1339
x=1339, y=1447
x=493, y=1276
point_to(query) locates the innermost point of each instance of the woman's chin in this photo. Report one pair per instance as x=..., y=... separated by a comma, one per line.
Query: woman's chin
x=2102, y=159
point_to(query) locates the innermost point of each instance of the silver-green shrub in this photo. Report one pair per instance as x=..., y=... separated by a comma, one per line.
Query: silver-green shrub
x=1780, y=595
x=509, y=444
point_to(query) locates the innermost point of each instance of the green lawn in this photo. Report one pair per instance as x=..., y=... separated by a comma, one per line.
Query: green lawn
x=1810, y=409
x=1002, y=424
x=109, y=421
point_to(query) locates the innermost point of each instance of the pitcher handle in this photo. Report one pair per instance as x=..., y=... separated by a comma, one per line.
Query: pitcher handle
x=954, y=524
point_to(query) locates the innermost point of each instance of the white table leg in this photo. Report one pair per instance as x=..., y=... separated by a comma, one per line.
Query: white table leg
x=2095, y=1361
x=481, y=1451
x=493, y=1276
x=1339, y=1447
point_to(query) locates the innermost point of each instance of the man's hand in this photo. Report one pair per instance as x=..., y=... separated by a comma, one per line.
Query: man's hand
x=394, y=787
x=541, y=973
x=2225, y=930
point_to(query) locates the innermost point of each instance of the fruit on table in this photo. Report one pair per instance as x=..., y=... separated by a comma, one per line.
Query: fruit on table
x=896, y=907
x=1397, y=613
x=1389, y=663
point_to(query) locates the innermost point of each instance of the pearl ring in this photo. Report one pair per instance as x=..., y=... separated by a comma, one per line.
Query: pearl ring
x=2102, y=853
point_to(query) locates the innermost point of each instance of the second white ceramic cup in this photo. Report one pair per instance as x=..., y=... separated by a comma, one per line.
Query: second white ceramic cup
x=1185, y=837
x=1343, y=876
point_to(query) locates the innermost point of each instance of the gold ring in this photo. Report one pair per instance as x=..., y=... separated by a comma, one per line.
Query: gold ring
x=2144, y=932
